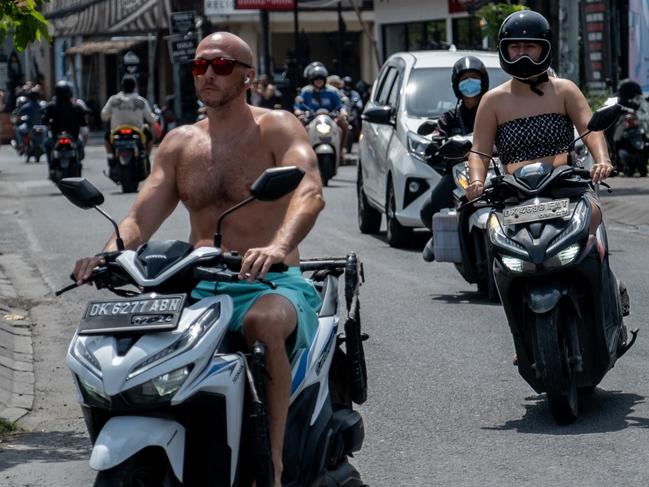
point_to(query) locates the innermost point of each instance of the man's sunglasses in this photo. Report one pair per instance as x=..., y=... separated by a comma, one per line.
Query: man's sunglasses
x=220, y=65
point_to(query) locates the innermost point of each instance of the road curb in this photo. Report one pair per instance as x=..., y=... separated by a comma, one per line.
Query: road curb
x=17, y=380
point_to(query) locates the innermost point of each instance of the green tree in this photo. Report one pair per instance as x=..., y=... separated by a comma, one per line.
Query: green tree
x=22, y=20
x=493, y=15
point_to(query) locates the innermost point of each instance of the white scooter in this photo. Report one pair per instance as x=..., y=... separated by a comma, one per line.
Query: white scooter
x=168, y=396
x=325, y=138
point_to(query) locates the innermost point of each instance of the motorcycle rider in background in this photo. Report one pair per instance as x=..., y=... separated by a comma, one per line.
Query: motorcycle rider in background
x=126, y=108
x=318, y=95
x=33, y=110
x=63, y=115
x=470, y=81
x=355, y=105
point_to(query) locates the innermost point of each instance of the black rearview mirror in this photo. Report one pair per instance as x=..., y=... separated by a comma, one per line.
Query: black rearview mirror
x=81, y=192
x=455, y=148
x=426, y=128
x=381, y=114
x=276, y=182
x=604, y=118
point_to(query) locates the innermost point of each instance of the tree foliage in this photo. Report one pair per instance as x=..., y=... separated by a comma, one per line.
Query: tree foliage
x=22, y=20
x=493, y=15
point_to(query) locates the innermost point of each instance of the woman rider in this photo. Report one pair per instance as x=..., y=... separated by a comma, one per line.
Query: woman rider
x=470, y=81
x=531, y=117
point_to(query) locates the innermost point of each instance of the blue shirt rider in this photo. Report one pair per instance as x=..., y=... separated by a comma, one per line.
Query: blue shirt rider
x=318, y=95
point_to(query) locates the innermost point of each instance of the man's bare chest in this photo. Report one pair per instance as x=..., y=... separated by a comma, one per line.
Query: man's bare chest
x=211, y=175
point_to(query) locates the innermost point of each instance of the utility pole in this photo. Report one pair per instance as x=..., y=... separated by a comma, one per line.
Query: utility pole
x=265, y=36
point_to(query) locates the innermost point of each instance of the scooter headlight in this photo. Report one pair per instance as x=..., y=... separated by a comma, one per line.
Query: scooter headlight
x=86, y=357
x=323, y=128
x=514, y=264
x=564, y=257
x=93, y=396
x=190, y=336
x=160, y=389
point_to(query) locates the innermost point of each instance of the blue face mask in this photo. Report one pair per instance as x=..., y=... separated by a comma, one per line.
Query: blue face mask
x=470, y=87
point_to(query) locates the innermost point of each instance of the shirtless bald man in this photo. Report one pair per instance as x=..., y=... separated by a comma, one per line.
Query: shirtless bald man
x=210, y=166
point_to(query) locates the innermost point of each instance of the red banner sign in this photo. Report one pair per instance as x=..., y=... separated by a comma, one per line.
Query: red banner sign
x=264, y=4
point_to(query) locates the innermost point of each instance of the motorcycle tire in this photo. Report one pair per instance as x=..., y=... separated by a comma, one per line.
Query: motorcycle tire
x=397, y=235
x=128, y=179
x=552, y=362
x=342, y=475
x=369, y=218
x=141, y=470
x=327, y=164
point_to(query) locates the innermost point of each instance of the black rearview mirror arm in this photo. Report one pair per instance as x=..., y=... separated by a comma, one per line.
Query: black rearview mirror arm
x=496, y=169
x=118, y=239
x=217, y=235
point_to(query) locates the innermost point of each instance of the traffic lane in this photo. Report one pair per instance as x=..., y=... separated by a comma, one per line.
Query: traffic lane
x=445, y=403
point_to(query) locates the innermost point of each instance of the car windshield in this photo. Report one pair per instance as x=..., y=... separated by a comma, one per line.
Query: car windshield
x=429, y=92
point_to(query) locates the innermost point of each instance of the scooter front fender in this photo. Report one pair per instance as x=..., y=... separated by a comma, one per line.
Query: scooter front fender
x=544, y=297
x=324, y=149
x=124, y=436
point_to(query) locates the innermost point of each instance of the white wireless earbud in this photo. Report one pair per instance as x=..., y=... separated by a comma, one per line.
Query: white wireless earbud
x=246, y=80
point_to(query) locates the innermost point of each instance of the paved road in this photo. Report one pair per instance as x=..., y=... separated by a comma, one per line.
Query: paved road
x=446, y=407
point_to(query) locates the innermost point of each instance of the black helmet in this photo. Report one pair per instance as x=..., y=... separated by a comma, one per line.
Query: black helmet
x=628, y=89
x=529, y=26
x=469, y=63
x=128, y=83
x=309, y=67
x=63, y=91
x=317, y=72
x=347, y=81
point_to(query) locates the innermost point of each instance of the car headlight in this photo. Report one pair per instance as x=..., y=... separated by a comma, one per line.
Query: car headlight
x=417, y=145
x=93, y=396
x=159, y=389
x=190, y=336
x=564, y=257
x=323, y=128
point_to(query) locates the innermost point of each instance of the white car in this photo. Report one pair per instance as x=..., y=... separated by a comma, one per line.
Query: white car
x=393, y=177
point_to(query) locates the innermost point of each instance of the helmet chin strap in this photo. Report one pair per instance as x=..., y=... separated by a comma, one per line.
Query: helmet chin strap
x=542, y=78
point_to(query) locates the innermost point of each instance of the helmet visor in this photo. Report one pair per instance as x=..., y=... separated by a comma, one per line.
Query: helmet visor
x=544, y=44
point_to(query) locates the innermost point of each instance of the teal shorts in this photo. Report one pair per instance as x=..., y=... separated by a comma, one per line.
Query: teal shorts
x=291, y=284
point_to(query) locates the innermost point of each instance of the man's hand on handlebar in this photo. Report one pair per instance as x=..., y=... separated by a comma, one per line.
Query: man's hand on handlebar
x=83, y=268
x=256, y=262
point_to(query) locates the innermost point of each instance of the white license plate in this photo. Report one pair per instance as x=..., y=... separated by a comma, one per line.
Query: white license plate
x=536, y=212
x=139, y=313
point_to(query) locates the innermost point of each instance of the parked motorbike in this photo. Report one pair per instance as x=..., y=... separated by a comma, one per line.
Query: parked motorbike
x=563, y=304
x=65, y=158
x=131, y=161
x=324, y=136
x=35, y=146
x=167, y=395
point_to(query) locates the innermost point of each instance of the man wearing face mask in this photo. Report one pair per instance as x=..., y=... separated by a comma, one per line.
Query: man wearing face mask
x=470, y=81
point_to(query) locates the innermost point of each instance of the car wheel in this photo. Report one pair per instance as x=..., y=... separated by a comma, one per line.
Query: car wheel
x=397, y=234
x=369, y=219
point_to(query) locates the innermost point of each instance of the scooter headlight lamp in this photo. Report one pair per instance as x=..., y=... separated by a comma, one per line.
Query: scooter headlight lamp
x=323, y=128
x=564, y=257
x=514, y=264
x=161, y=388
x=85, y=356
x=190, y=336
x=92, y=396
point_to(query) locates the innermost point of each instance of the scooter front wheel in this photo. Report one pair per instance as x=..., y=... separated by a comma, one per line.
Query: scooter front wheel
x=141, y=470
x=552, y=362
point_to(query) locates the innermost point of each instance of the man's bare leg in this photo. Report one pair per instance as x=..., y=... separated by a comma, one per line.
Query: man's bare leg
x=271, y=320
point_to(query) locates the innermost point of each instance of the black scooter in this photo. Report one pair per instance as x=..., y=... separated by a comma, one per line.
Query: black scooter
x=563, y=303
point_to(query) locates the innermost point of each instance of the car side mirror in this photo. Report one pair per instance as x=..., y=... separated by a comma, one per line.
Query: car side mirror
x=455, y=148
x=276, y=182
x=381, y=114
x=604, y=118
x=81, y=192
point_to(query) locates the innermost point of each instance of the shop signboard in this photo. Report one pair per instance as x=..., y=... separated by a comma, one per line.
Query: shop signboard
x=181, y=48
x=182, y=22
x=219, y=7
x=596, y=23
x=265, y=4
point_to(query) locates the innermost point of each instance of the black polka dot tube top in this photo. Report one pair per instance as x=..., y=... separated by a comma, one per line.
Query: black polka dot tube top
x=530, y=138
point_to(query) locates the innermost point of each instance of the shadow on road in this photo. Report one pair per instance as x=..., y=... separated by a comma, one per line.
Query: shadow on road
x=43, y=447
x=603, y=412
x=463, y=297
x=419, y=239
